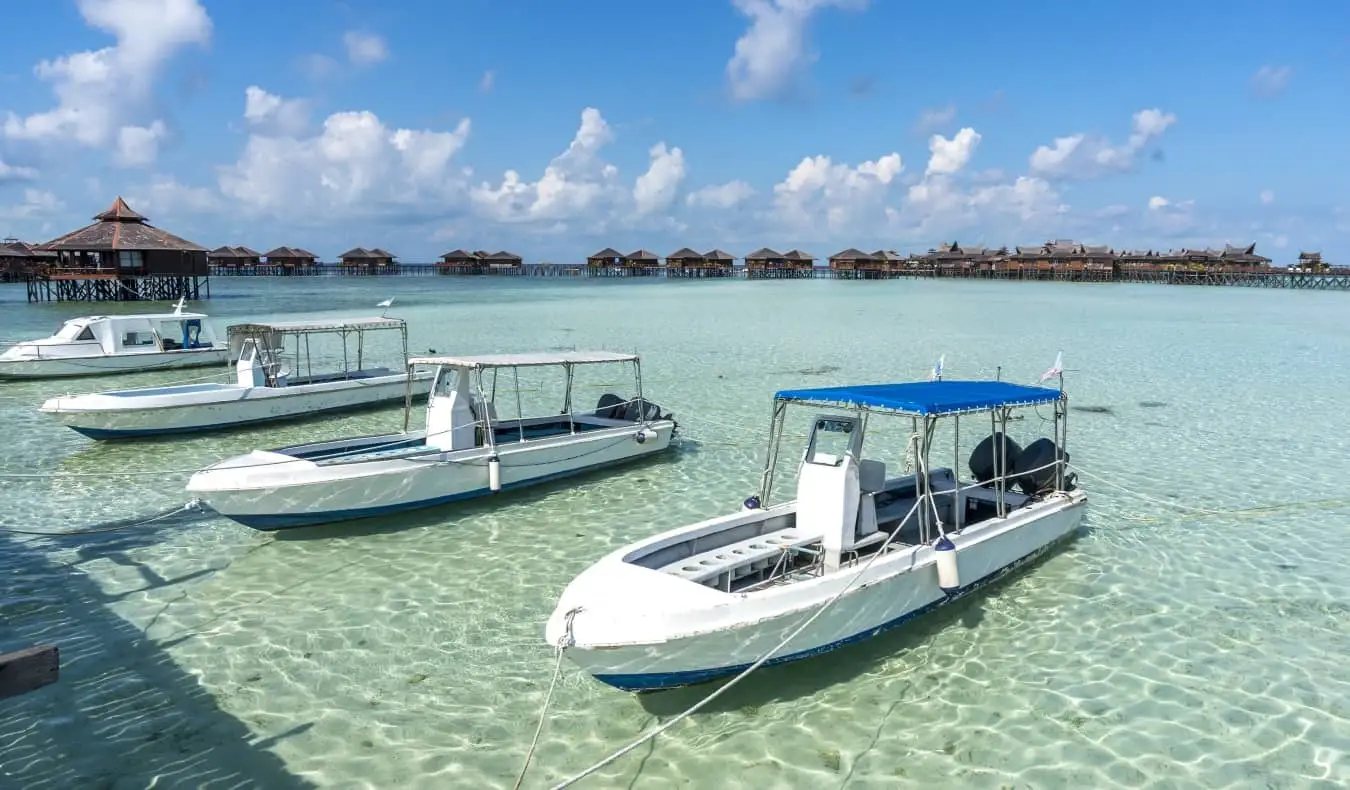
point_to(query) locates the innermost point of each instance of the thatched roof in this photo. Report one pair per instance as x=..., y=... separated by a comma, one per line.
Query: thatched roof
x=608, y=252
x=851, y=254
x=646, y=256
x=361, y=253
x=684, y=253
x=502, y=256
x=289, y=253
x=459, y=255
x=763, y=253
x=720, y=255
x=798, y=255
x=120, y=228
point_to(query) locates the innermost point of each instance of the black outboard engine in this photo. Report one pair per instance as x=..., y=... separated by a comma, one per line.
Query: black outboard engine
x=982, y=458
x=1031, y=477
x=609, y=406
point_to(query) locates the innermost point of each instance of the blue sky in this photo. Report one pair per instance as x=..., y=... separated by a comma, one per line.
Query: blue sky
x=553, y=129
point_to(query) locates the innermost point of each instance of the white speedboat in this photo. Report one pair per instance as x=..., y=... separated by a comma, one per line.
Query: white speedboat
x=466, y=450
x=856, y=552
x=102, y=344
x=280, y=375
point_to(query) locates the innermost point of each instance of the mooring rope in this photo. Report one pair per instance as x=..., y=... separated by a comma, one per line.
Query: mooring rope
x=191, y=505
x=563, y=643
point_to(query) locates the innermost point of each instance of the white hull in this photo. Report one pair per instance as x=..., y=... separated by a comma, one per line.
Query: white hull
x=274, y=490
x=203, y=407
x=104, y=364
x=642, y=629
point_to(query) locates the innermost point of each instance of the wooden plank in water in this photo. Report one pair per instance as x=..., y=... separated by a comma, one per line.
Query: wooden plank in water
x=29, y=669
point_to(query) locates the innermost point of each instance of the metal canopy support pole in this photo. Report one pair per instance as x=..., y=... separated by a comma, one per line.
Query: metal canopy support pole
x=346, y=364
x=771, y=452
x=1003, y=462
x=957, y=509
x=998, y=462
x=360, y=350
x=520, y=411
x=567, y=398
x=489, y=434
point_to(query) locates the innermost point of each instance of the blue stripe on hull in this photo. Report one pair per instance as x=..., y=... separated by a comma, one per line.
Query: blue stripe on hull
x=102, y=434
x=291, y=520
x=669, y=680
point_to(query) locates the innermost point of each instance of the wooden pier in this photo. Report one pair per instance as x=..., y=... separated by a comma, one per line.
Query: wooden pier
x=103, y=286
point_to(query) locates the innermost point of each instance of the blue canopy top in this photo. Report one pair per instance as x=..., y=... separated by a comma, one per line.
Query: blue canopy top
x=927, y=397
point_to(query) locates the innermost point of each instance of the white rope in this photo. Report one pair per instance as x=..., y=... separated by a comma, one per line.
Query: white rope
x=744, y=673
x=548, y=698
x=190, y=505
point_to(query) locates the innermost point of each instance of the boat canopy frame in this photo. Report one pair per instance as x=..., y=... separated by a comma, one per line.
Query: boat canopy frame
x=927, y=404
x=270, y=337
x=476, y=366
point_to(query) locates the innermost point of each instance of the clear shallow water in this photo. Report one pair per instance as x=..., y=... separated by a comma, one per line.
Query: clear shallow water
x=1163, y=648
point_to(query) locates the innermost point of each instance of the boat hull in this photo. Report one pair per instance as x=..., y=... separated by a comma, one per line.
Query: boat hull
x=276, y=490
x=198, y=408
x=739, y=629
x=107, y=364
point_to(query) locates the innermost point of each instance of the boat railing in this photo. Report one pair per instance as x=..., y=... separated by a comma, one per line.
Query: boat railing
x=782, y=568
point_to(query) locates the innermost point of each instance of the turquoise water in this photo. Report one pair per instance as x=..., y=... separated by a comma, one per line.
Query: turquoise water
x=1184, y=640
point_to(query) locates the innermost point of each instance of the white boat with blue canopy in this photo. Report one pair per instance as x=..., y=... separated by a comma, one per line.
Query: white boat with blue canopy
x=96, y=345
x=285, y=370
x=465, y=451
x=855, y=552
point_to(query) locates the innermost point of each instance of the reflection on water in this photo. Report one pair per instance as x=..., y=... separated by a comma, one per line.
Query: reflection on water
x=1176, y=643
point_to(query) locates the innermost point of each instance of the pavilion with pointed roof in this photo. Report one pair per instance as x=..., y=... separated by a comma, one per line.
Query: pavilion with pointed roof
x=121, y=256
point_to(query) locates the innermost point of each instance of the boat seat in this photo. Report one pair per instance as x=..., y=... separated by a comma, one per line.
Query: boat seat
x=734, y=560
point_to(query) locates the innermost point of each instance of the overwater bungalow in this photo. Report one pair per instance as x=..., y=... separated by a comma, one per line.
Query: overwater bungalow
x=121, y=256
x=359, y=260
x=608, y=262
x=459, y=262
x=234, y=258
x=1310, y=262
x=685, y=262
x=720, y=263
x=19, y=260
x=764, y=262
x=291, y=261
x=500, y=262
x=853, y=264
x=643, y=263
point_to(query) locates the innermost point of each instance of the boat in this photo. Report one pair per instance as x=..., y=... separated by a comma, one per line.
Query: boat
x=279, y=375
x=856, y=552
x=104, y=344
x=465, y=451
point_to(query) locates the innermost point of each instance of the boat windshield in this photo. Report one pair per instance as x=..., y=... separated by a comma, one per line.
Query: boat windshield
x=72, y=330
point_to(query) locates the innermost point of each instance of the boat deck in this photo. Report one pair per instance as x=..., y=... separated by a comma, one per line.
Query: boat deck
x=506, y=433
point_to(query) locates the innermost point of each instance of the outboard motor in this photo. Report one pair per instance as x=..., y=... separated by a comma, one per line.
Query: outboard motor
x=1031, y=477
x=982, y=458
x=609, y=406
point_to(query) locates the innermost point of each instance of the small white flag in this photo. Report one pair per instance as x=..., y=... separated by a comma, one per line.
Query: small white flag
x=936, y=375
x=1056, y=369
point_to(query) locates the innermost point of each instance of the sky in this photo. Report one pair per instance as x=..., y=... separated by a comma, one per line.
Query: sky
x=555, y=129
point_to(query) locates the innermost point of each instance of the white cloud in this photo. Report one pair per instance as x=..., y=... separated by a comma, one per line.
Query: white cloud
x=657, y=188
x=318, y=67
x=1157, y=203
x=934, y=118
x=1084, y=156
x=722, y=196
x=269, y=113
x=10, y=172
x=101, y=94
x=843, y=197
x=365, y=49
x=576, y=185
x=773, y=50
x=1267, y=197
x=37, y=203
x=950, y=156
x=354, y=166
x=163, y=195
x=1270, y=81
x=488, y=81
x=138, y=146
